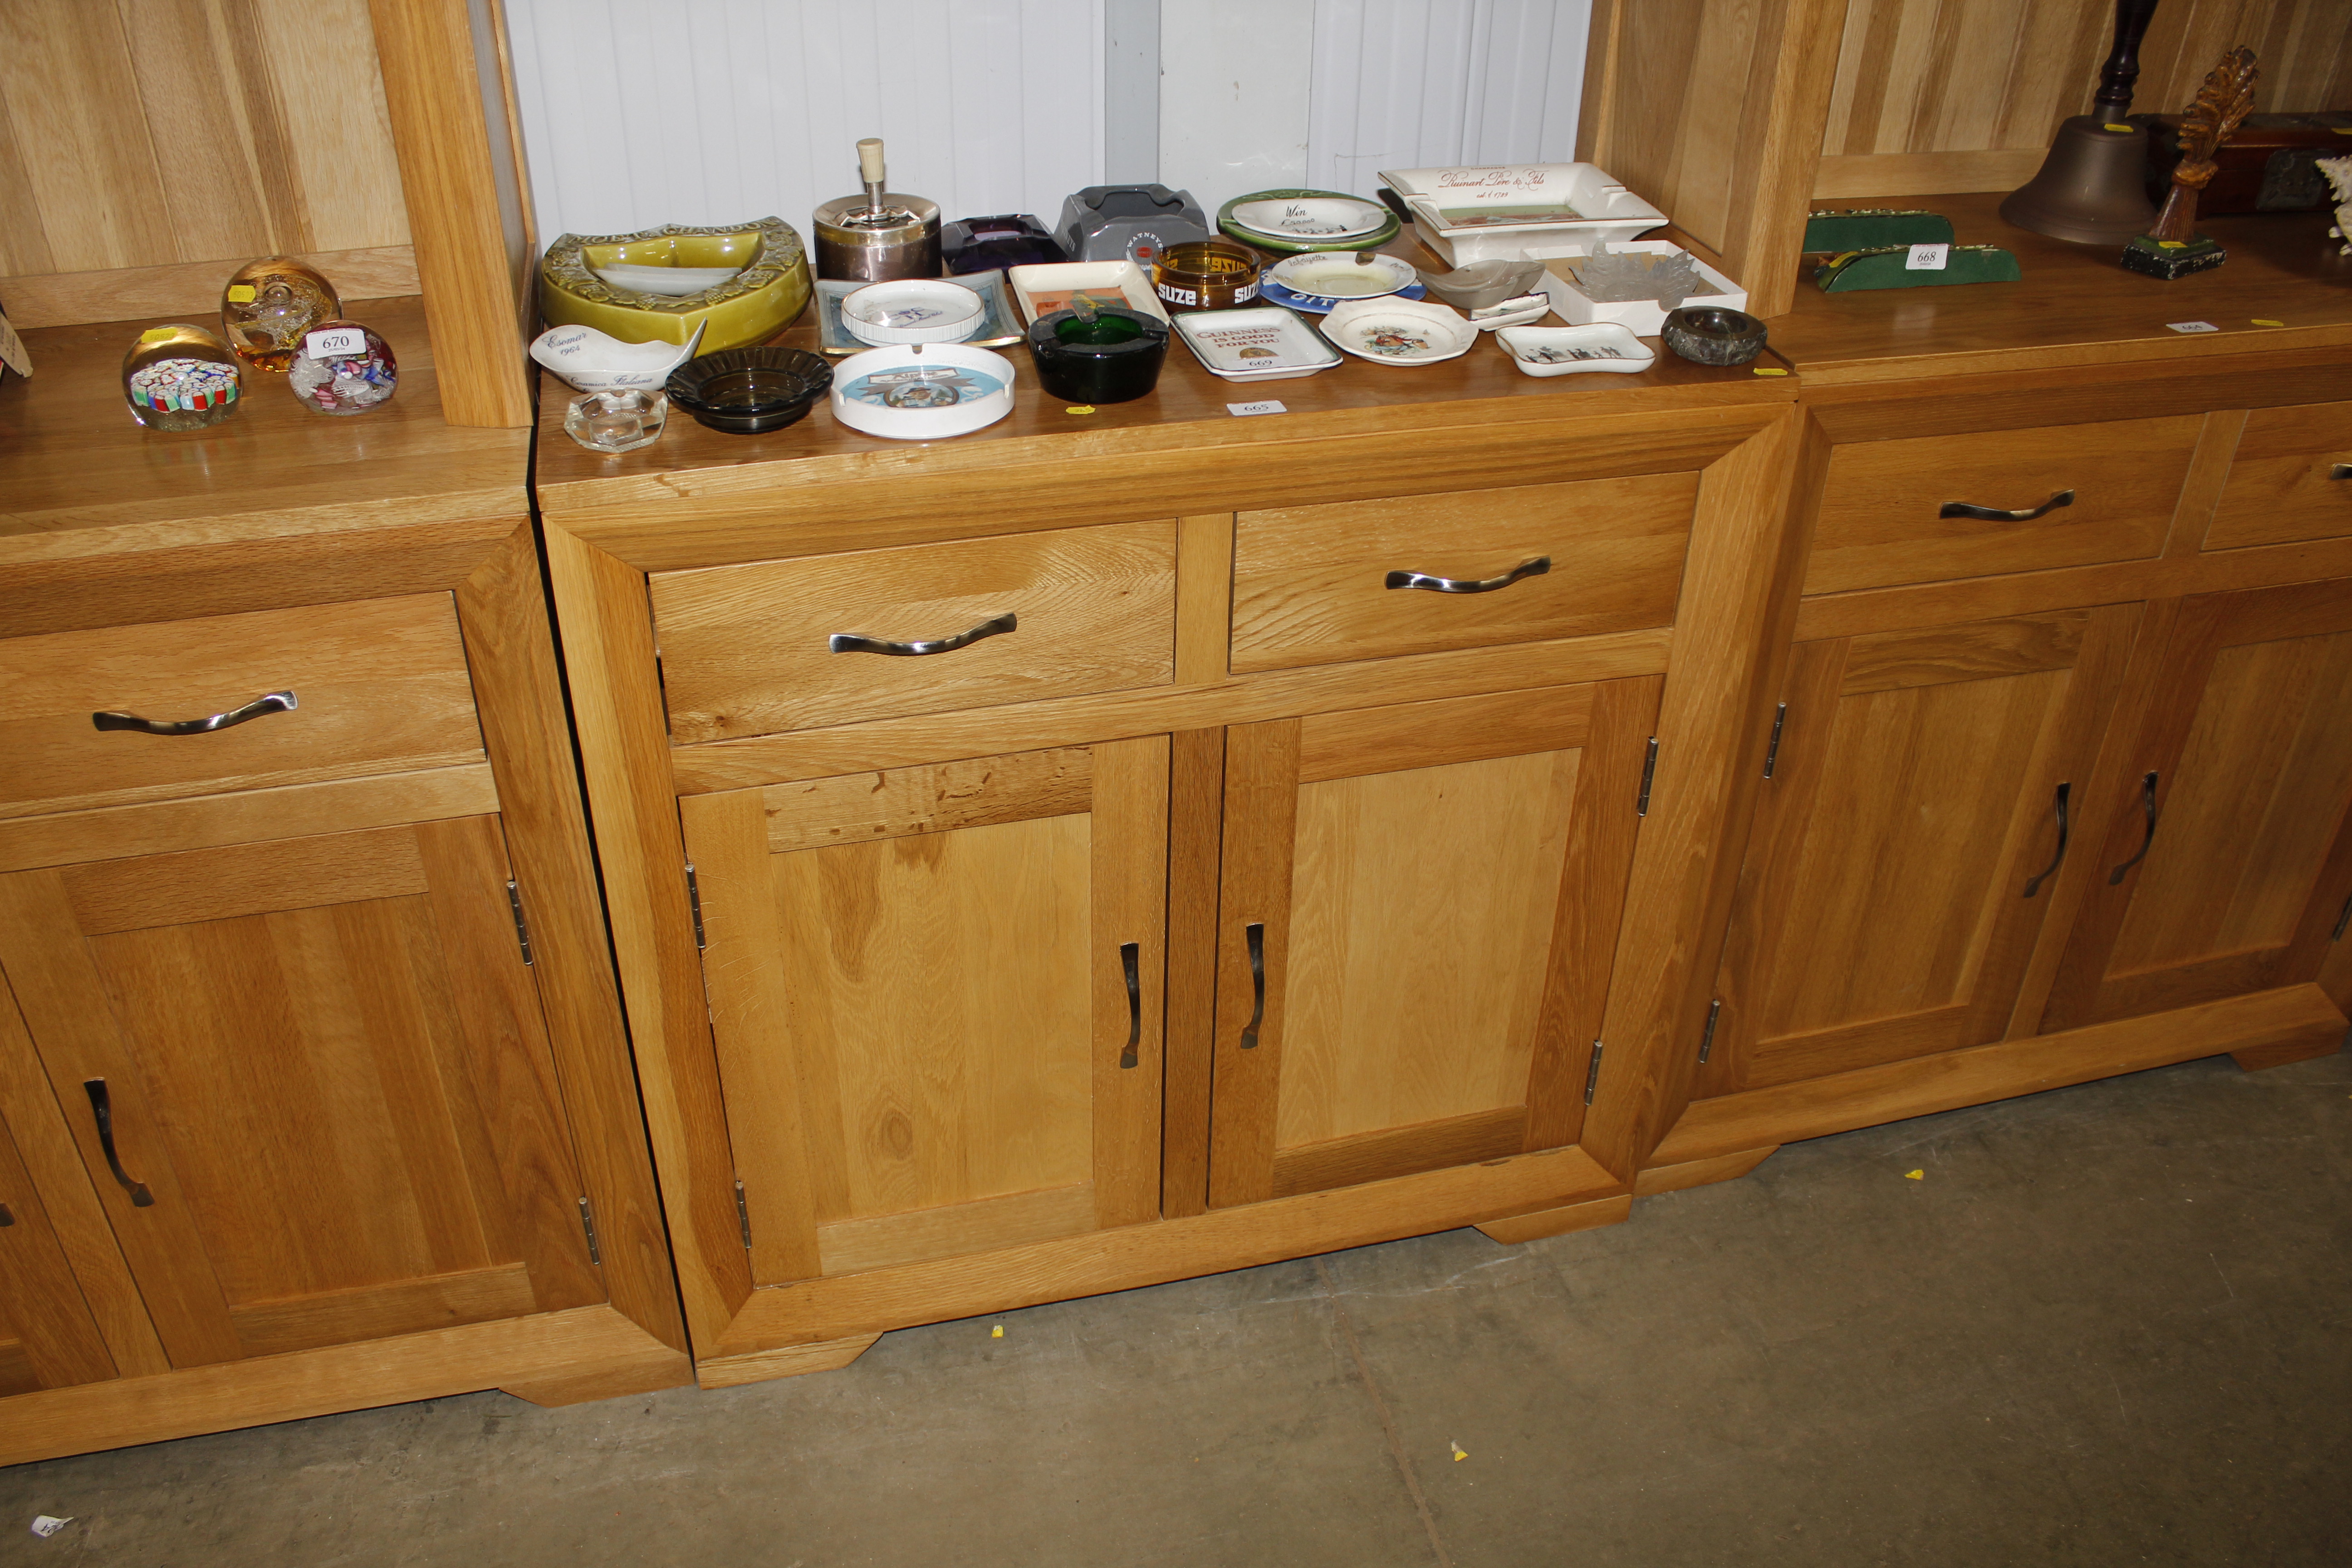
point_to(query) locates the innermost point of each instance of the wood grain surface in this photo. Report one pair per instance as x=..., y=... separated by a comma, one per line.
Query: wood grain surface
x=2284, y=483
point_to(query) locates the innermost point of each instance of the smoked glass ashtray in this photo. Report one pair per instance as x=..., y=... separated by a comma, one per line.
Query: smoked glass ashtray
x=750, y=392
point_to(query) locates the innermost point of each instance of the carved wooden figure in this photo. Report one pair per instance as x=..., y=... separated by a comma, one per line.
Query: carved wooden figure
x=2173, y=249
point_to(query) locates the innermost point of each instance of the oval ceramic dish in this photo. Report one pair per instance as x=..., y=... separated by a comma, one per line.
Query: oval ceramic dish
x=1315, y=218
x=1292, y=245
x=1331, y=278
x=595, y=361
x=1274, y=293
x=1399, y=332
x=919, y=392
x=1483, y=285
x=750, y=392
x=769, y=287
x=912, y=311
x=1570, y=351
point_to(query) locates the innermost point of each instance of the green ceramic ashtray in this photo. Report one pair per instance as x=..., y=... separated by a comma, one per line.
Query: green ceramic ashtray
x=756, y=280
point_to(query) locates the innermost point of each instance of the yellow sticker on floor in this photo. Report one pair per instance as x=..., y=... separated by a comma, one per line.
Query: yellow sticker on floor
x=1458, y=1455
x=1915, y=1175
x=997, y=1333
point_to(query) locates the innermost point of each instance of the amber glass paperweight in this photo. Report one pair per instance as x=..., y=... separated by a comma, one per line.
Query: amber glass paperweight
x=180, y=377
x=342, y=368
x=269, y=305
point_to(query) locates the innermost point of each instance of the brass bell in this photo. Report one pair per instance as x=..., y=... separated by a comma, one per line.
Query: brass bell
x=2093, y=186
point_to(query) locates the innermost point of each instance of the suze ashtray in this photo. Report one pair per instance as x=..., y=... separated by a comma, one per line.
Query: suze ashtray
x=922, y=392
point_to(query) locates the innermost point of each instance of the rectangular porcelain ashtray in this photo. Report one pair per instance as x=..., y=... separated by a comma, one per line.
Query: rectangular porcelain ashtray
x=1570, y=351
x=1261, y=343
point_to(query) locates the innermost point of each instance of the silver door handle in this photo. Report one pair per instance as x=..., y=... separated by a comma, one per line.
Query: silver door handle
x=1995, y=514
x=275, y=702
x=850, y=642
x=1535, y=566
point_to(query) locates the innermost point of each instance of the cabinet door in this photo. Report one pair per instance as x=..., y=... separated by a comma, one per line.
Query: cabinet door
x=1418, y=909
x=47, y=1337
x=2230, y=868
x=311, y=1082
x=1905, y=847
x=936, y=994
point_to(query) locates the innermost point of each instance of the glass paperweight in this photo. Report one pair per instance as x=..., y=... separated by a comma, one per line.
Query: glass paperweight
x=342, y=368
x=269, y=305
x=616, y=421
x=180, y=377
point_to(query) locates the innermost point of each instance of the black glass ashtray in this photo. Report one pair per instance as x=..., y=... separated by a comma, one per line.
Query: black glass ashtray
x=985, y=244
x=750, y=392
x=1111, y=355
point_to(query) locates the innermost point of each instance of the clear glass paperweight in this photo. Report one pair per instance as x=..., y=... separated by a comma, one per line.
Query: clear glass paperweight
x=268, y=306
x=616, y=421
x=342, y=368
x=180, y=377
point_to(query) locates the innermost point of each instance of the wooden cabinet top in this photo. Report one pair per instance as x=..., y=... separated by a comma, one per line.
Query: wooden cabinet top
x=76, y=462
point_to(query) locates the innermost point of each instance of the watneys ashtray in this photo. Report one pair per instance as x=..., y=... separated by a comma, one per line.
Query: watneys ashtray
x=750, y=392
x=922, y=392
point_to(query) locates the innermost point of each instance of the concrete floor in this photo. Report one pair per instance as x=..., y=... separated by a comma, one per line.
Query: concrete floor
x=2106, y=1325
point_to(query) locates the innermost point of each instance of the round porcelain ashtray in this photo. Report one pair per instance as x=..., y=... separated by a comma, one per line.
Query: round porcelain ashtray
x=912, y=311
x=1390, y=330
x=1567, y=350
x=1312, y=217
x=1321, y=279
x=922, y=392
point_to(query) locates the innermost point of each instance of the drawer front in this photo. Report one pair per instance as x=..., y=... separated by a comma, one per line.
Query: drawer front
x=749, y=651
x=1881, y=521
x=2292, y=478
x=1310, y=584
x=379, y=685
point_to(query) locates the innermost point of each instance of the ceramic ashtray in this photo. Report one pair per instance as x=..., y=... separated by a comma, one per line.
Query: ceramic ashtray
x=750, y=392
x=595, y=361
x=1266, y=343
x=1399, y=332
x=1485, y=284
x=922, y=392
x=1311, y=217
x=1320, y=279
x=911, y=310
x=1567, y=350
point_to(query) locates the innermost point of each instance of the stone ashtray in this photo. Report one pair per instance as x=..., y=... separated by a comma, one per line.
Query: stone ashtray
x=1708, y=334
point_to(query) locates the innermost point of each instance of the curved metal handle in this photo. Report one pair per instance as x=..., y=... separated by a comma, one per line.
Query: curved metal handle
x=1255, y=934
x=102, y=1108
x=850, y=642
x=2147, y=799
x=1995, y=514
x=2059, y=806
x=1534, y=566
x=1130, y=954
x=2341, y=471
x=275, y=702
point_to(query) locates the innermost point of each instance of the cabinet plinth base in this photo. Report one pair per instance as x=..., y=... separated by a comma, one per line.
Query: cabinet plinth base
x=1700, y=1172
x=791, y=1360
x=1559, y=1222
x=2277, y=1053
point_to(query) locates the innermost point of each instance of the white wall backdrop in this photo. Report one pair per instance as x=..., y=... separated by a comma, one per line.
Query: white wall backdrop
x=639, y=112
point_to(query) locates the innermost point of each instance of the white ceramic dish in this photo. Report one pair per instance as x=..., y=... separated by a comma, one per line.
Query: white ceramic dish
x=911, y=310
x=1519, y=312
x=1643, y=318
x=922, y=392
x=1572, y=350
x=669, y=282
x=1399, y=332
x=1339, y=275
x=998, y=325
x=1261, y=343
x=1312, y=217
x=1041, y=290
x=1488, y=213
x=597, y=362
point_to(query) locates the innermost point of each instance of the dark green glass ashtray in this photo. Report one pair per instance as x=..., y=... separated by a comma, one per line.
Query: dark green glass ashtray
x=750, y=392
x=1112, y=356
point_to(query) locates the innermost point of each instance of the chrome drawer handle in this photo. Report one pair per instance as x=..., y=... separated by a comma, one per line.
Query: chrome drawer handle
x=1255, y=934
x=850, y=642
x=275, y=702
x=2148, y=798
x=1995, y=514
x=101, y=1108
x=2058, y=806
x=1128, y=953
x=1534, y=567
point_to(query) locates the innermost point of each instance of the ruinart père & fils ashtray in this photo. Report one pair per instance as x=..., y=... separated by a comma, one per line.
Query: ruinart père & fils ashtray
x=750, y=392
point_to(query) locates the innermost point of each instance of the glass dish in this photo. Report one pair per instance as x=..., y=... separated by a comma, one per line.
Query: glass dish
x=1206, y=275
x=750, y=392
x=616, y=421
x=1107, y=356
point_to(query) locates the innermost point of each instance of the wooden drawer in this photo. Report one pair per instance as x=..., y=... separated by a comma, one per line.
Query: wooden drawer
x=1310, y=582
x=749, y=650
x=379, y=685
x=2291, y=480
x=1881, y=521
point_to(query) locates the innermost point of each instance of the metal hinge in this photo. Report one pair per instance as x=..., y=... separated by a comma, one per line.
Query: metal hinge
x=522, y=929
x=694, y=896
x=1772, y=751
x=2342, y=923
x=1649, y=771
x=743, y=1214
x=1706, y=1040
x=588, y=1224
x=1592, y=1073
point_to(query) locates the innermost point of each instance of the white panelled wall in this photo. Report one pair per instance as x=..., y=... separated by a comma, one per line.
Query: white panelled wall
x=713, y=111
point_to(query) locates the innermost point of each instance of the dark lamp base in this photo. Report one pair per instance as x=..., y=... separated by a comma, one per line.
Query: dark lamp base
x=2170, y=259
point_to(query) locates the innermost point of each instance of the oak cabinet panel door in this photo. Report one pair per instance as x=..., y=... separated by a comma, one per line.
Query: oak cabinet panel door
x=2230, y=868
x=1907, y=843
x=47, y=1339
x=936, y=994
x=310, y=1081
x=1417, y=912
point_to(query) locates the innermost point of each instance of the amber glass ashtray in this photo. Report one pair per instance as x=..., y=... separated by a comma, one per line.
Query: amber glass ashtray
x=750, y=392
x=1206, y=275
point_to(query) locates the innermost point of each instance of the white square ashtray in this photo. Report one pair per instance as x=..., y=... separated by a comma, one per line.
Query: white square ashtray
x=1399, y=332
x=1048, y=287
x=1643, y=318
x=1264, y=343
x=1568, y=351
x=1486, y=213
x=922, y=392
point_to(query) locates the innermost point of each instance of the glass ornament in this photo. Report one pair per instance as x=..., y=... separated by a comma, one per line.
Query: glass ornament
x=268, y=306
x=180, y=377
